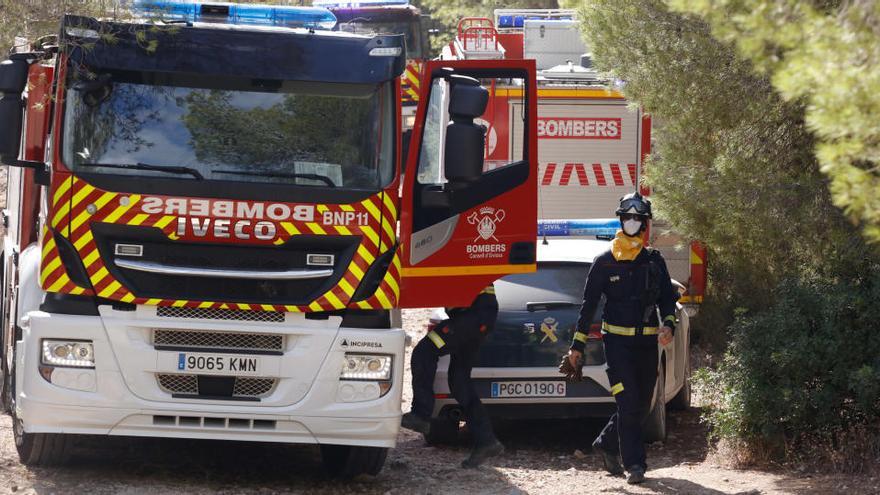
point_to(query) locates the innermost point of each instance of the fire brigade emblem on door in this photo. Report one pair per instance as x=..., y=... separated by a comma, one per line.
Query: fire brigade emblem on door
x=486, y=221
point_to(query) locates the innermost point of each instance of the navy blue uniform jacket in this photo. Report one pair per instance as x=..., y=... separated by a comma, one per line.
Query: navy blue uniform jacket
x=624, y=283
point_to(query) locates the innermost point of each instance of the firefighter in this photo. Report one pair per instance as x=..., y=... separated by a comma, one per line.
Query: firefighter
x=635, y=282
x=459, y=336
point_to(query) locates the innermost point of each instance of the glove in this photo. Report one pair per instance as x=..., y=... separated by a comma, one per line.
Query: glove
x=572, y=374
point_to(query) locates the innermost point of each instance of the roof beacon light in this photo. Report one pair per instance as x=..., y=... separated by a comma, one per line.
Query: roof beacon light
x=386, y=51
x=354, y=4
x=601, y=227
x=231, y=13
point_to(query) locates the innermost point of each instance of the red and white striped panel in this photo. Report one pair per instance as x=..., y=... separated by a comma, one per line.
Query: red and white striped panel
x=588, y=174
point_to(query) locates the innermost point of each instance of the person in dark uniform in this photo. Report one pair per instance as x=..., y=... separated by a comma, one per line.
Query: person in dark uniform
x=459, y=336
x=635, y=282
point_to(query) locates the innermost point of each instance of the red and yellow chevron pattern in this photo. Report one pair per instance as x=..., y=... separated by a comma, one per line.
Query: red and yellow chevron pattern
x=76, y=205
x=53, y=275
x=409, y=81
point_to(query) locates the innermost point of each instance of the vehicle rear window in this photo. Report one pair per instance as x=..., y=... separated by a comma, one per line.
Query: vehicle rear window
x=552, y=282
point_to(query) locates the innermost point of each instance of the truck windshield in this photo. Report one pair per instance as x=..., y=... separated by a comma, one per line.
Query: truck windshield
x=231, y=129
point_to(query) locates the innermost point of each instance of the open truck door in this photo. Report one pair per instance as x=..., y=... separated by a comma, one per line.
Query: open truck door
x=466, y=222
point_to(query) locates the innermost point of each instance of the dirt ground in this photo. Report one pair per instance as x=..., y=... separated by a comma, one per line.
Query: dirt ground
x=542, y=457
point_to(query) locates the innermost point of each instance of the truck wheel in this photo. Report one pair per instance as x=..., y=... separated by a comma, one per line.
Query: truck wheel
x=348, y=461
x=41, y=449
x=655, y=424
x=37, y=449
x=442, y=432
x=6, y=398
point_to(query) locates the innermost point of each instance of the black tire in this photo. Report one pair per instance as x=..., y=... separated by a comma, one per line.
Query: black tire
x=35, y=449
x=41, y=449
x=655, y=424
x=6, y=386
x=348, y=461
x=442, y=432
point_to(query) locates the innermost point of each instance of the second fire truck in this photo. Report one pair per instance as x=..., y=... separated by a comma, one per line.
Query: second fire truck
x=592, y=142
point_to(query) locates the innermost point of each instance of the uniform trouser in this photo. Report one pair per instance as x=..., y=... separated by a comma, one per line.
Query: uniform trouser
x=459, y=337
x=632, y=373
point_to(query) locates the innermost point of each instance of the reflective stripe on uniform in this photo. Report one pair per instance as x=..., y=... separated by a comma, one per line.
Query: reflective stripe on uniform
x=617, y=388
x=627, y=331
x=580, y=337
x=670, y=318
x=488, y=290
x=436, y=339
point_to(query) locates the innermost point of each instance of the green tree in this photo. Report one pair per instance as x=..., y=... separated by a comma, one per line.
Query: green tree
x=29, y=20
x=732, y=162
x=826, y=54
x=734, y=165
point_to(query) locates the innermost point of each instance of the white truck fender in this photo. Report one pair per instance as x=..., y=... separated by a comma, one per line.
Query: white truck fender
x=30, y=295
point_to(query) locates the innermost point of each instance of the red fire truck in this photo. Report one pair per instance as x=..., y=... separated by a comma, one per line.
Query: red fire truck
x=207, y=235
x=592, y=142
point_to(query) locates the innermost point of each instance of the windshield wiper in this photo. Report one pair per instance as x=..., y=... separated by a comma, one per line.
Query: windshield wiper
x=146, y=166
x=285, y=175
x=544, y=306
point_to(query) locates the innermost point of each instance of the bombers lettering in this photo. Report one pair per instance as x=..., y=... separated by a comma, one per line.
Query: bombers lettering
x=578, y=128
x=227, y=209
x=486, y=248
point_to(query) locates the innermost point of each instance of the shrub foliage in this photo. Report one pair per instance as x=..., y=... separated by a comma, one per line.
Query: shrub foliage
x=809, y=365
x=734, y=165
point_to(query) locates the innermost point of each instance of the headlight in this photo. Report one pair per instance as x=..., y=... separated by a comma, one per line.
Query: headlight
x=366, y=367
x=78, y=354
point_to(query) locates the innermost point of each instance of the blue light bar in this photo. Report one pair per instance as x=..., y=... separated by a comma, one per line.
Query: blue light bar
x=354, y=4
x=604, y=227
x=518, y=21
x=230, y=13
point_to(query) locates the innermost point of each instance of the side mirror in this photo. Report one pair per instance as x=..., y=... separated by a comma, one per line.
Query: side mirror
x=13, y=77
x=465, y=140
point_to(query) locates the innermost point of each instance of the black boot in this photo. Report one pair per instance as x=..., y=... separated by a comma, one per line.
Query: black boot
x=636, y=475
x=483, y=452
x=610, y=459
x=414, y=422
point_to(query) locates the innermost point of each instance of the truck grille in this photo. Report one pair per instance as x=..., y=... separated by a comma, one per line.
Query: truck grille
x=219, y=314
x=157, y=248
x=233, y=341
x=245, y=387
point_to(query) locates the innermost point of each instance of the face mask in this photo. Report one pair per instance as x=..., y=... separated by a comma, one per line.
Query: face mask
x=632, y=227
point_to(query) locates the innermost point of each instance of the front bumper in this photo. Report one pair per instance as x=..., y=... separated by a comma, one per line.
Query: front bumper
x=121, y=395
